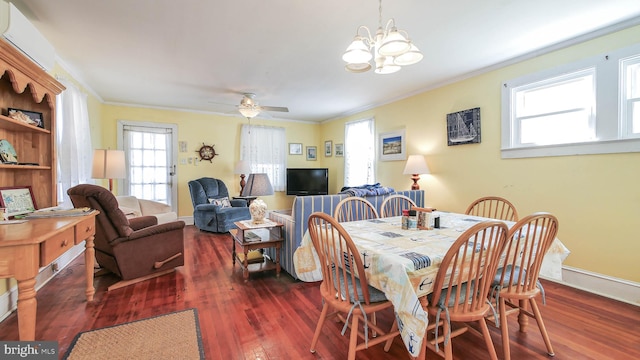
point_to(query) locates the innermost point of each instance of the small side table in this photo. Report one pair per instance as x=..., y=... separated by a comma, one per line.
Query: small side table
x=248, y=199
x=251, y=236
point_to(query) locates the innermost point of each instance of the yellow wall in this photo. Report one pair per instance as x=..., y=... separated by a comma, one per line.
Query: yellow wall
x=221, y=131
x=595, y=197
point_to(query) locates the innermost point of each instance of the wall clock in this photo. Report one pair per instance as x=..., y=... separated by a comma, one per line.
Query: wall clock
x=206, y=152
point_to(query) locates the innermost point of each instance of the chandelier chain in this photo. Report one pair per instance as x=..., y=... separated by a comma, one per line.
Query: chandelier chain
x=380, y=13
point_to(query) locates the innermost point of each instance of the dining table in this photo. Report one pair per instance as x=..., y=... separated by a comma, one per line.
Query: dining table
x=403, y=263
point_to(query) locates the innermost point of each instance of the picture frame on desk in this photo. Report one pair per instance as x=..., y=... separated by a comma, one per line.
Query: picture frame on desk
x=18, y=200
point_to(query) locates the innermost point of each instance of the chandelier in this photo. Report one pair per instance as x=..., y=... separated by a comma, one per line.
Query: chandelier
x=391, y=49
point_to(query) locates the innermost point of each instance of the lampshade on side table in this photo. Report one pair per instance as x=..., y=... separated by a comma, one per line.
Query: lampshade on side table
x=258, y=185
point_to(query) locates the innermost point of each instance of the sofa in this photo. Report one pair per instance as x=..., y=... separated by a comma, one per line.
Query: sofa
x=295, y=221
x=212, y=209
x=133, y=207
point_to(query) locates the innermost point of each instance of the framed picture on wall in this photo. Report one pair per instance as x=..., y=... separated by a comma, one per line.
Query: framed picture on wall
x=339, y=150
x=328, y=148
x=392, y=146
x=463, y=127
x=312, y=153
x=295, y=149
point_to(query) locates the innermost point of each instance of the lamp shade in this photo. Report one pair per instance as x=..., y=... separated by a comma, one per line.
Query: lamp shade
x=108, y=164
x=242, y=167
x=258, y=185
x=416, y=164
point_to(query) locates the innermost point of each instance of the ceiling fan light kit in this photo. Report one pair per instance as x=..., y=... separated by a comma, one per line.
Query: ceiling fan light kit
x=391, y=47
x=249, y=108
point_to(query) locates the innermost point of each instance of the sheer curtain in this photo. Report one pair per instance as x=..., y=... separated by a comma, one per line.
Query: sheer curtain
x=264, y=148
x=359, y=152
x=73, y=140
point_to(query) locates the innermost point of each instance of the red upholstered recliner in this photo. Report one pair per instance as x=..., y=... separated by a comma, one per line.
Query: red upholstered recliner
x=135, y=249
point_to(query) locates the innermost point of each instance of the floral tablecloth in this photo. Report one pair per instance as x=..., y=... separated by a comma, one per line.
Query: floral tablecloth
x=404, y=263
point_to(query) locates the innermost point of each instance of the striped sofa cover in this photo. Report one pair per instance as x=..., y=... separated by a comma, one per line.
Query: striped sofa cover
x=295, y=224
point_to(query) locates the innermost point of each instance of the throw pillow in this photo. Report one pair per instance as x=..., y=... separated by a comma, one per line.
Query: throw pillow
x=224, y=202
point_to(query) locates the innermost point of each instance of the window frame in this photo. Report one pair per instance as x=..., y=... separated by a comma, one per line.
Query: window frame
x=608, y=118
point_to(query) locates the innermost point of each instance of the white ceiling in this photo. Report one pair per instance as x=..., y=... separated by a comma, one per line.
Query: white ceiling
x=203, y=54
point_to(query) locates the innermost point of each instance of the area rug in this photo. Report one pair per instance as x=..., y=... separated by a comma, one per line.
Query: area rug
x=171, y=336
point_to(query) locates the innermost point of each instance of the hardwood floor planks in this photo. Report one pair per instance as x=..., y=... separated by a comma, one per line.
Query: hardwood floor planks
x=274, y=318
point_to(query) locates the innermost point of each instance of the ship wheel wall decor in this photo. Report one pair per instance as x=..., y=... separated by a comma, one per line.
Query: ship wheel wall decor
x=207, y=152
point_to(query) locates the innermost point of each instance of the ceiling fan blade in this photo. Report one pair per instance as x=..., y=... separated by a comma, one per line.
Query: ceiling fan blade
x=275, y=108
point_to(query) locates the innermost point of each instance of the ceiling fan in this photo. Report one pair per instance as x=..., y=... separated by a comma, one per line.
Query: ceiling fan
x=250, y=108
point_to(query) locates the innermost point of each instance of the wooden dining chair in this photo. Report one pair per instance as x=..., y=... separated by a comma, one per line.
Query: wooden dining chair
x=462, y=285
x=516, y=281
x=353, y=209
x=345, y=291
x=394, y=204
x=493, y=207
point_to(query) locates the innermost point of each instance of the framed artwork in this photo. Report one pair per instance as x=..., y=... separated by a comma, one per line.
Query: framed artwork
x=312, y=153
x=339, y=150
x=392, y=146
x=463, y=127
x=295, y=149
x=29, y=117
x=17, y=200
x=328, y=148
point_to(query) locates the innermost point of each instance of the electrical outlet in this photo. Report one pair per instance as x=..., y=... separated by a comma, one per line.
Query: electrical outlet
x=183, y=161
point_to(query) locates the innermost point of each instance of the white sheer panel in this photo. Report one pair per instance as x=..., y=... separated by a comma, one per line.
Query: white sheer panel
x=73, y=140
x=264, y=148
x=359, y=153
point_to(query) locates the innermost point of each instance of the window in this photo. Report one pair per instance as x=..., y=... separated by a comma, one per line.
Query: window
x=591, y=106
x=630, y=102
x=73, y=143
x=359, y=153
x=264, y=148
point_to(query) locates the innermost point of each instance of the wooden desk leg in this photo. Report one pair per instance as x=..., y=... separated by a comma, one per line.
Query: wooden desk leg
x=89, y=259
x=278, y=261
x=523, y=319
x=245, y=270
x=27, y=307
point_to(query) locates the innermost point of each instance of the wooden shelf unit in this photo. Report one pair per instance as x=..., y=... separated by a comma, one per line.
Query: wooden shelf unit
x=24, y=85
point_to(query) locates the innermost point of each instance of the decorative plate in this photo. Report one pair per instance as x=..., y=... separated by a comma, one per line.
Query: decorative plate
x=8, y=153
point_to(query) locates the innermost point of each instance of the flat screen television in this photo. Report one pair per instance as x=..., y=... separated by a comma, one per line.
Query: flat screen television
x=308, y=181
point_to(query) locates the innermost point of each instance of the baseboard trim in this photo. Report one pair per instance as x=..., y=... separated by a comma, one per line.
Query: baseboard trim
x=603, y=285
x=9, y=300
x=188, y=220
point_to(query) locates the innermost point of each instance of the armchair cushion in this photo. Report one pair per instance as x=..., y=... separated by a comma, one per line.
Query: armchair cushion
x=209, y=216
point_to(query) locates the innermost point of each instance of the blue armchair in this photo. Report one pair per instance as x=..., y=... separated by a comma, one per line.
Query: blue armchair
x=211, y=217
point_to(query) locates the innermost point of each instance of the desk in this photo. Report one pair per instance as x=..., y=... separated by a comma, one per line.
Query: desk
x=26, y=247
x=402, y=263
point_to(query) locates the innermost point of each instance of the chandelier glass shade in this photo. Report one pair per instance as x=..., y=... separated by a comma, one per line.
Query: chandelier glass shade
x=249, y=111
x=390, y=49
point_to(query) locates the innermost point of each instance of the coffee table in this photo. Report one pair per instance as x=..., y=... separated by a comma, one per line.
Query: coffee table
x=250, y=236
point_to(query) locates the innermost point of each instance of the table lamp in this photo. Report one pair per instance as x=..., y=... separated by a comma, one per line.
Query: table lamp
x=108, y=164
x=416, y=165
x=242, y=167
x=257, y=185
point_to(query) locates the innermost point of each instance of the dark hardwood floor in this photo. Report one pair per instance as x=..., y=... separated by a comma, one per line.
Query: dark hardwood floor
x=271, y=318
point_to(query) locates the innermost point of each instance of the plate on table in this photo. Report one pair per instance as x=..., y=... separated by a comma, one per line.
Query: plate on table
x=8, y=153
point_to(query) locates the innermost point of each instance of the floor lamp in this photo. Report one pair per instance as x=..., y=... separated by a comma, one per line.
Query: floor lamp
x=108, y=164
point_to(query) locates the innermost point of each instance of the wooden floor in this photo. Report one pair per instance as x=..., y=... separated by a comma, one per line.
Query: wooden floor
x=271, y=318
